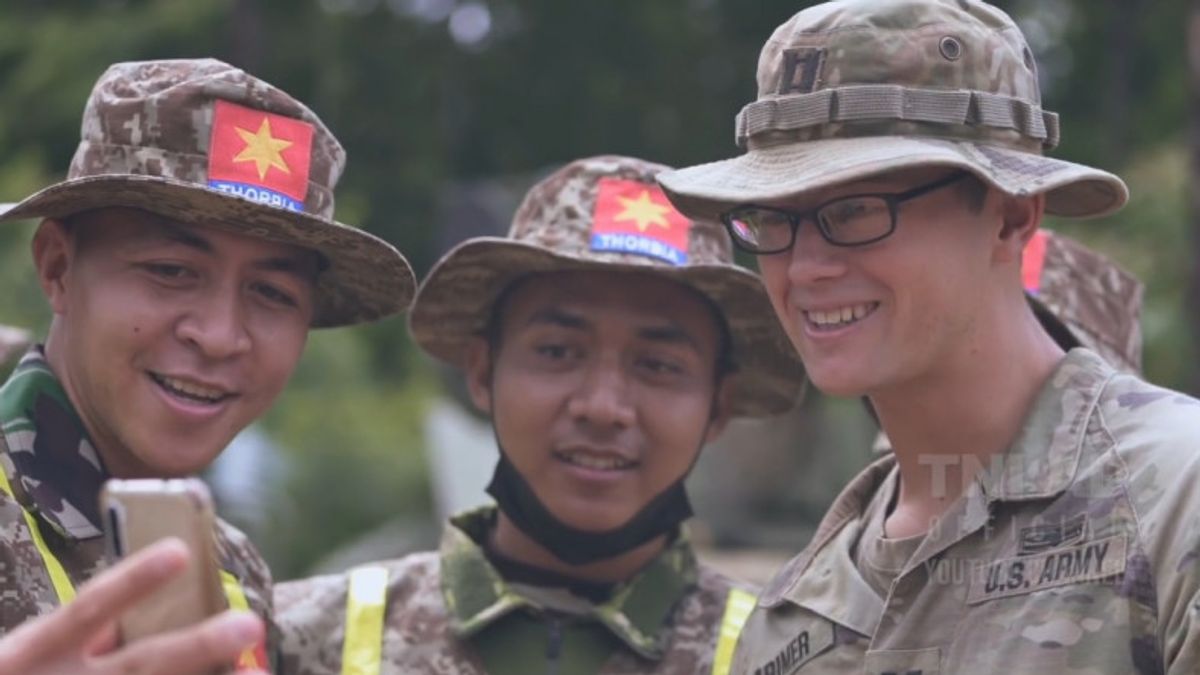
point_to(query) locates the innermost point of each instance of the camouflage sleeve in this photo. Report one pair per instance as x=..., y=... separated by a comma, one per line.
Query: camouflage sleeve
x=1178, y=577
x=240, y=558
x=311, y=617
x=1157, y=434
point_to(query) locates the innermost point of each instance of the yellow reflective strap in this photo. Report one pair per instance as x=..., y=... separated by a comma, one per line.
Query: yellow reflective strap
x=737, y=611
x=363, y=647
x=58, y=576
x=252, y=657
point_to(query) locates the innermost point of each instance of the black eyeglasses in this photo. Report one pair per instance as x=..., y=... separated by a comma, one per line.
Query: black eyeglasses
x=851, y=220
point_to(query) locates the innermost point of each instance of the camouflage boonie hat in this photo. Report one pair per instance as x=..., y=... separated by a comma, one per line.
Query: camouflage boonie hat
x=856, y=88
x=204, y=143
x=1084, y=299
x=607, y=214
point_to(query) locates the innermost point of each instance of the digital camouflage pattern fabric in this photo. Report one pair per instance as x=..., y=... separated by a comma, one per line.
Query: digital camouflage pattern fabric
x=56, y=475
x=1075, y=551
x=202, y=142
x=853, y=88
x=451, y=613
x=565, y=224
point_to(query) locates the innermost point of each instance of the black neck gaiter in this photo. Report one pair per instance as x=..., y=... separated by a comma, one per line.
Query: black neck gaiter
x=573, y=546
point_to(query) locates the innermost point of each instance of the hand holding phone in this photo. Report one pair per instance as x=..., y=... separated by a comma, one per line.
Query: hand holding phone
x=138, y=513
x=80, y=638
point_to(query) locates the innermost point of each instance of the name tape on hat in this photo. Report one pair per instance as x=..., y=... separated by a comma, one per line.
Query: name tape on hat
x=635, y=217
x=260, y=156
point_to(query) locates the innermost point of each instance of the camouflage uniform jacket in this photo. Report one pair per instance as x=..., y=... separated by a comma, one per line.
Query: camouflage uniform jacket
x=56, y=475
x=1076, y=551
x=451, y=613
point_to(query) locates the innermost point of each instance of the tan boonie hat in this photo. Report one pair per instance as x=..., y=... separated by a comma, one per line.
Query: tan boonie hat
x=606, y=213
x=855, y=88
x=1077, y=290
x=202, y=142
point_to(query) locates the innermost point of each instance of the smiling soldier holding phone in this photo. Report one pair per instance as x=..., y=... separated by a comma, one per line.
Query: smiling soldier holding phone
x=185, y=258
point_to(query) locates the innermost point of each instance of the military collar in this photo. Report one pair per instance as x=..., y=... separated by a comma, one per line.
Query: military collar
x=847, y=507
x=638, y=612
x=1043, y=459
x=49, y=455
x=1040, y=463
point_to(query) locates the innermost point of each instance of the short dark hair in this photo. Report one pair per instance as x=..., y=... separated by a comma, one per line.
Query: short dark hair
x=725, y=363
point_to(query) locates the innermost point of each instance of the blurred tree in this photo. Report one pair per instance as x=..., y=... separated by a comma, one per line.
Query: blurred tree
x=1193, y=297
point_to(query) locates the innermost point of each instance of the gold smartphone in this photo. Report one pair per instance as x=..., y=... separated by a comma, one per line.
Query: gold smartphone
x=138, y=513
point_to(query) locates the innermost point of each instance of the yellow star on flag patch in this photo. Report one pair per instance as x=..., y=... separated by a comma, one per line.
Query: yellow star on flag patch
x=643, y=211
x=263, y=149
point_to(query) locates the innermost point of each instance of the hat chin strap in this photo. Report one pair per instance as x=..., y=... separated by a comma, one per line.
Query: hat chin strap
x=517, y=500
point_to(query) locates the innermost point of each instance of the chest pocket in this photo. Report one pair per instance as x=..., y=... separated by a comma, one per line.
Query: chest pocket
x=1083, y=562
x=904, y=662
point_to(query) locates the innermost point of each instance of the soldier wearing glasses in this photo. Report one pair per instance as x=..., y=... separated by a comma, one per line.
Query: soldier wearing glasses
x=1037, y=514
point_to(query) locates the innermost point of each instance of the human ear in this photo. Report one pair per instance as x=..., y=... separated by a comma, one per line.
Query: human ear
x=1020, y=219
x=478, y=371
x=53, y=253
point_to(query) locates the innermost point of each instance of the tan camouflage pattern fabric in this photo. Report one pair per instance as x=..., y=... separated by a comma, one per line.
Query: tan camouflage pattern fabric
x=146, y=133
x=1077, y=551
x=1097, y=301
x=56, y=475
x=551, y=232
x=839, y=87
x=442, y=606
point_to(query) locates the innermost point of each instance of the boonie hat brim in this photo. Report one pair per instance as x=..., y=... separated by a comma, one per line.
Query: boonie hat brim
x=366, y=278
x=455, y=302
x=787, y=170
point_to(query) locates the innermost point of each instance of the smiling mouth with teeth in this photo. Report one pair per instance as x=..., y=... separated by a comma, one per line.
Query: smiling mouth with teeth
x=188, y=390
x=596, y=462
x=843, y=316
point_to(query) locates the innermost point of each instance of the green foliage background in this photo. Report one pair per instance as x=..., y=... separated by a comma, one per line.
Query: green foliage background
x=552, y=81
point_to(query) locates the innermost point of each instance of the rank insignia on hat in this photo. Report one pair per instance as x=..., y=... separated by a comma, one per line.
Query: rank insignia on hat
x=634, y=217
x=1032, y=262
x=801, y=69
x=260, y=156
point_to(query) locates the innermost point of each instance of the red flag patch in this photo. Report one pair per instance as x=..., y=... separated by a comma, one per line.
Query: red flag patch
x=633, y=217
x=260, y=156
x=1033, y=261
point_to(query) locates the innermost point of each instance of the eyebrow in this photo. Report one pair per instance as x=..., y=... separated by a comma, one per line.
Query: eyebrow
x=671, y=333
x=668, y=333
x=288, y=264
x=557, y=316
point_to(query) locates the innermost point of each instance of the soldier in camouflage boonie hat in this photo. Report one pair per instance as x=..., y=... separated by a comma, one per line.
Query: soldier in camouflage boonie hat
x=855, y=88
x=606, y=213
x=205, y=143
